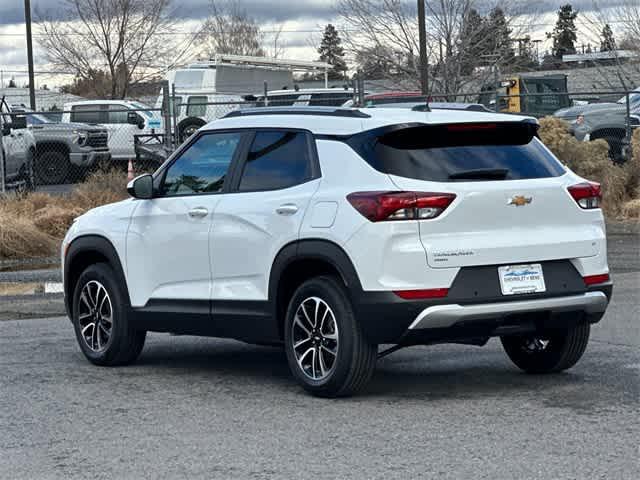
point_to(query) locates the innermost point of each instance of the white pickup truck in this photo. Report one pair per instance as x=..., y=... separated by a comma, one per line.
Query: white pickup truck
x=122, y=118
x=18, y=149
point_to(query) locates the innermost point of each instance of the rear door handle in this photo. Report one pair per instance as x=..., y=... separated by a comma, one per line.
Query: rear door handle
x=287, y=209
x=198, y=212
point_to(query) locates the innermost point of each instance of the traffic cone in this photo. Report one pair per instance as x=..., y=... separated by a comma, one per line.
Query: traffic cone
x=130, y=170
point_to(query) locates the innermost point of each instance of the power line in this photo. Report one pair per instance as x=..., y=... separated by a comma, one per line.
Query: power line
x=294, y=31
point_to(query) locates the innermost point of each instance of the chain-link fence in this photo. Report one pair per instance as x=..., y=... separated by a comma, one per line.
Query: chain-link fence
x=45, y=149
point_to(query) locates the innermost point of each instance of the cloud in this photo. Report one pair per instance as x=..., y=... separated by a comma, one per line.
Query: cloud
x=12, y=11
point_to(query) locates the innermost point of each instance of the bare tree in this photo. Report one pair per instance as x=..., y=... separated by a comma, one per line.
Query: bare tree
x=274, y=45
x=385, y=33
x=230, y=30
x=124, y=42
x=620, y=71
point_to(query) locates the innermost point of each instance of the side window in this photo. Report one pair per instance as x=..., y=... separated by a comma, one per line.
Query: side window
x=88, y=114
x=202, y=168
x=277, y=159
x=330, y=99
x=116, y=114
x=280, y=100
x=193, y=107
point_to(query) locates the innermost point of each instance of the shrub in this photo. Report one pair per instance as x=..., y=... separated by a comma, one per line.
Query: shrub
x=33, y=225
x=591, y=160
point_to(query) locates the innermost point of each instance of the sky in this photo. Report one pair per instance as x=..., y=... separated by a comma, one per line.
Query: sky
x=302, y=22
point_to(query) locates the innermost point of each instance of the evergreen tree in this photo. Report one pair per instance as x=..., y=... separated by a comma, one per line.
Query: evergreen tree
x=564, y=33
x=475, y=41
x=331, y=52
x=608, y=43
x=499, y=36
x=12, y=83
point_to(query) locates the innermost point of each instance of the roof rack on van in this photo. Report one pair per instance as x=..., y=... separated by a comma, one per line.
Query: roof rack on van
x=318, y=111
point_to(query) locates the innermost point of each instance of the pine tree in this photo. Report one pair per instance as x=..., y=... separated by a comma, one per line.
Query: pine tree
x=475, y=41
x=331, y=52
x=500, y=36
x=608, y=43
x=564, y=33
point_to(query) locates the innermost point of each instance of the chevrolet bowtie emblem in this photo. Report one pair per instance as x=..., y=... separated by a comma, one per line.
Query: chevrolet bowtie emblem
x=519, y=200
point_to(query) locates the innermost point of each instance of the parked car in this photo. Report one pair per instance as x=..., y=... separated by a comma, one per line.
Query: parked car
x=415, y=101
x=61, y=147
x=122, y=118
x=18, y=150
x=303, y=97
x=607, y=121
x=333, y=231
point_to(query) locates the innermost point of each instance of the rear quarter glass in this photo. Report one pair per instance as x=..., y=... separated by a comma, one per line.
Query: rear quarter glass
x=441, y=152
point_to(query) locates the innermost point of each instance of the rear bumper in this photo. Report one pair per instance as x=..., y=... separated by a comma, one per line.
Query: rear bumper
x=385, y=318
x=444, y=316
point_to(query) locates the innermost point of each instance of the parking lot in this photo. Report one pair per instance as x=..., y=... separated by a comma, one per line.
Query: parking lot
x=198, y=407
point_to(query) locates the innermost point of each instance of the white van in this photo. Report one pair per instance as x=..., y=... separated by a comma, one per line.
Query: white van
x=207, y=90
x=122, y=118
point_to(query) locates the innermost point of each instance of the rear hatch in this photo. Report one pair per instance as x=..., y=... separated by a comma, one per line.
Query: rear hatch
x=512, y=205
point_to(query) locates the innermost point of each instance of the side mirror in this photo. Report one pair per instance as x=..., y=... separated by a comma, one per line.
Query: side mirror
x=134, y=119
x=6, y=129
x=141, y=187
x=18, y=122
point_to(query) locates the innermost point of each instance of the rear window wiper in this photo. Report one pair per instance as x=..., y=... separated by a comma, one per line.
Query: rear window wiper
x=481, y=174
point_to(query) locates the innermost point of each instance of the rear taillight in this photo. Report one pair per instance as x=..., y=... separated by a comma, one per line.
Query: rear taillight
x=588, y=195
x=596, y=279
x=390, y=206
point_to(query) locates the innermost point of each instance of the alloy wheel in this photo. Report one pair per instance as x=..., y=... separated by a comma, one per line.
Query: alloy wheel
x=314, y=333
x=535, y=344
x=95, y=316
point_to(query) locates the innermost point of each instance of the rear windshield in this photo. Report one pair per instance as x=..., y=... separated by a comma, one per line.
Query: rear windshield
x=458, y=152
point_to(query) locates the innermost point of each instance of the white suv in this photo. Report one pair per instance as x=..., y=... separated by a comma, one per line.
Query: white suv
x=333, y=231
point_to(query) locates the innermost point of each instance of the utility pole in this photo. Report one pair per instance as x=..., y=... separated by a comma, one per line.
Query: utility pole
x=32, y=86
x=422, y=40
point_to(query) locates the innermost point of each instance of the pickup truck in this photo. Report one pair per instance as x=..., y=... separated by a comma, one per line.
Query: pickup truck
x=122, y=119
x=17, y=151
x=607, y=121
x=63, y=147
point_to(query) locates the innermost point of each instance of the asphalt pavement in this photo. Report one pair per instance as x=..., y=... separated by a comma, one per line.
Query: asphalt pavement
x=207, y=408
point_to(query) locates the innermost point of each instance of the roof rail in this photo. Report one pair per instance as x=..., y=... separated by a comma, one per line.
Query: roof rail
x=317, y=111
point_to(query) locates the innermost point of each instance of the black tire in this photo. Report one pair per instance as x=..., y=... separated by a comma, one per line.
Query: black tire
x=52, y=167
x=188, y=127
x=124, y=344
x=615, y=148
x=27, y=175
x=353, y=366
x=563, y=350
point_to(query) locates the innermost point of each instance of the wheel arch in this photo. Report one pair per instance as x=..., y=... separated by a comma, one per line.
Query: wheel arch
x=45, y=146
x=300, y=260
x=84, y=251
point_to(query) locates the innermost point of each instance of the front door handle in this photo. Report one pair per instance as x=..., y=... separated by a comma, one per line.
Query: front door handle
x=198, y=212
x=287, y=209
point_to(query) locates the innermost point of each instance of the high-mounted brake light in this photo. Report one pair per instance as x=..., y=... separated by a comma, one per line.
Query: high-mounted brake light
x=587, y=194
x=470, y=127
x=388, y=206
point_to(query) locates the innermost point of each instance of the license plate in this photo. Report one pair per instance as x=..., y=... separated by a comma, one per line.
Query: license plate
x=516, y=279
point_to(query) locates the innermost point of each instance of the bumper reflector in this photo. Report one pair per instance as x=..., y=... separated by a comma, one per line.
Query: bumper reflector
x=418, y=294
x=595, y=279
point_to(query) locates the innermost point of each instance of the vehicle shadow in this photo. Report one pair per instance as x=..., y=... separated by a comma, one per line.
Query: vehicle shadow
x=426, y=373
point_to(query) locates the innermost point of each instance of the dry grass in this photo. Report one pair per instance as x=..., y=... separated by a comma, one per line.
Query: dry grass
x=33, y=225
x=591, y=160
